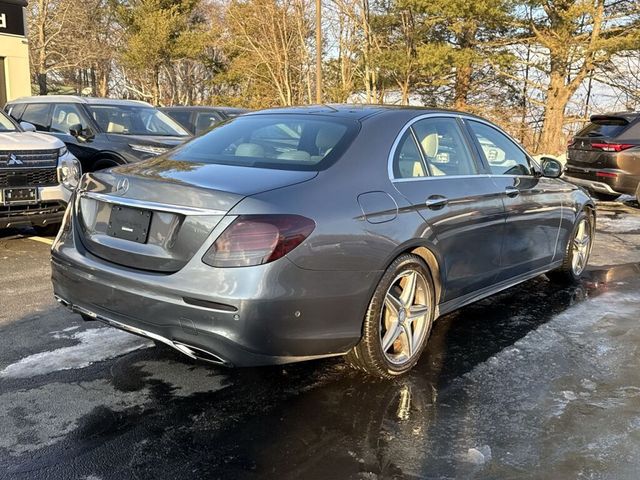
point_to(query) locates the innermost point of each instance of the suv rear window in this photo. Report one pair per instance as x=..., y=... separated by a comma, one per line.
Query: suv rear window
x=605, y=127
x=287, y=142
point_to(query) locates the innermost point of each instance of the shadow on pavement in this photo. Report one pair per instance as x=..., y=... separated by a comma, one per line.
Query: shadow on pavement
x=312, y=420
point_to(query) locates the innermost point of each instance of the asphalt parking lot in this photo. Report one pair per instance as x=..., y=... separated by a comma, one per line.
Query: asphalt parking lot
x=535, y=382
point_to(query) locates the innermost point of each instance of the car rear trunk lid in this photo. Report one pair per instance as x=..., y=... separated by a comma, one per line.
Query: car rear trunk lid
x=156, y=215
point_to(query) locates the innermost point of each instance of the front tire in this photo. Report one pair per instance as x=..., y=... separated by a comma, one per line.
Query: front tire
x=50, y=230
x=577, y=253
x=398, y=320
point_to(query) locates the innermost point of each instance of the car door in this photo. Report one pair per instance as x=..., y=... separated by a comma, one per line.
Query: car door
x=65, y=116
x=435, y=169
x=533, y=204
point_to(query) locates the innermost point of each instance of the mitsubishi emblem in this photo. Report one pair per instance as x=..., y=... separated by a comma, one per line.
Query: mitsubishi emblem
x=13, y=160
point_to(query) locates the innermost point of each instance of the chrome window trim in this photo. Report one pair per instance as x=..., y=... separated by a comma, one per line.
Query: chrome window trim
x=147, y=205
x=509, y=137
x=460, y=116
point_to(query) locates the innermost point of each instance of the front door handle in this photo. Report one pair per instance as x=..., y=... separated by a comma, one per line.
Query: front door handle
x=512, y=192
x=436, y=202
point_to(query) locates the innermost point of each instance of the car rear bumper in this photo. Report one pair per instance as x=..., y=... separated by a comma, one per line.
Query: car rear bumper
x=623, y=182
x=272, y=314
x=49, y=209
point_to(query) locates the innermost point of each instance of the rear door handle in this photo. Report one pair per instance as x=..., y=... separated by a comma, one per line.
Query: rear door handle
x=511, y=192
x=436, y=202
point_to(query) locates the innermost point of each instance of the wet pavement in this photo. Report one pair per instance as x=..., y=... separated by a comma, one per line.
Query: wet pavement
x=535, y=382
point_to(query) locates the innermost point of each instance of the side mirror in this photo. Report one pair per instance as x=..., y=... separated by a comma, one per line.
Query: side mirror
x=551, y=167
x=82, y=134
x=27, y=127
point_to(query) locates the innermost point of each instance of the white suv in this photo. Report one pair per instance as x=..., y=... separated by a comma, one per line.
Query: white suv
x=37, y=177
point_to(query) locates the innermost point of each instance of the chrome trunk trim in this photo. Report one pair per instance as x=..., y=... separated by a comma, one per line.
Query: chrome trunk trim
x=147, y=205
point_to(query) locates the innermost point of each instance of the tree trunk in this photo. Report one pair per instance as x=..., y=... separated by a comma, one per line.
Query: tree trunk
x=155, y=87
x=464, y=70
x=552, y=139
x=42, y=83
x=462, y=86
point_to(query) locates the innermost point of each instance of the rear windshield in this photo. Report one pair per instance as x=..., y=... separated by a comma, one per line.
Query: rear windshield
x=289, y=142
x=606, y=127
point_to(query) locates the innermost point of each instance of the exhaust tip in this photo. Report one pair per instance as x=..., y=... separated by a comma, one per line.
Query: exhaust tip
x=200, y=354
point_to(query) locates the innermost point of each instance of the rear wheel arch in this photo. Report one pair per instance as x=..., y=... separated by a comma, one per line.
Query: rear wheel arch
x=434, y=266
x=429, y=256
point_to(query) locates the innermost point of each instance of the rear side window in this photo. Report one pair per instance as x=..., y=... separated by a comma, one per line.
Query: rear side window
x=407, y=162
x=181, y=116
x=606, y=127
x=206, y=120
x=38, y=115
x=443, y=147
x=289, y=142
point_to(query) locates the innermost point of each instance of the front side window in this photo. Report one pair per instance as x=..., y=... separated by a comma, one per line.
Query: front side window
x=206, y=120
x=501, y=153
x=135, y=120
x=297, y=142
x=444, y=148
x=37, y=114
x=6, y=125
x=65, y=116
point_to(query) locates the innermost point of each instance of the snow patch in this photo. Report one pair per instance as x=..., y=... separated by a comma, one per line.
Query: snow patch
x=478, y=456
x=623, y=224
x=94, y=345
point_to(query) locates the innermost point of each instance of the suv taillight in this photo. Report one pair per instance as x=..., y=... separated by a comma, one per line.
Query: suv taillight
x=612, y=147
x=258, y=239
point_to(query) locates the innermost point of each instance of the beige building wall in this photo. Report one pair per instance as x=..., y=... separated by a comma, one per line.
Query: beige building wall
x=15, y=51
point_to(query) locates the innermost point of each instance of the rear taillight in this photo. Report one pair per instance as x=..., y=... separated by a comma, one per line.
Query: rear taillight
x=606, y=174
x=612, y=147
x=258, y=239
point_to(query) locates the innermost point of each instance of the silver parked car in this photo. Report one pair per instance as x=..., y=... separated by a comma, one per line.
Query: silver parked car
x=300, y=233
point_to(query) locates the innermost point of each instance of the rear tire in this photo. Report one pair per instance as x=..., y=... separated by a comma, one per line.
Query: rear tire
x=398, y=320
x=576, y=255
x=605, y=197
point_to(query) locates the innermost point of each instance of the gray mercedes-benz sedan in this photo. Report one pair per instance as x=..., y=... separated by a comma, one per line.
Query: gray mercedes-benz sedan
x=291, y=234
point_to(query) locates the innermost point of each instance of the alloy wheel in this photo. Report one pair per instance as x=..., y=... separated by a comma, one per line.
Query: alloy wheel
x=405, y=319
x=581, y=247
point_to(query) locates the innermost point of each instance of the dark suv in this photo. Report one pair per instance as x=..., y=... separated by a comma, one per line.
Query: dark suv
x=199, y=120
x=101, y=132
x=604, y=156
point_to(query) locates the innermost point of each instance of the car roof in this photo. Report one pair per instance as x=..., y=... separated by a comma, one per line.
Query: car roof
x=204, y=108
x=356, y=111
x=77, y=99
